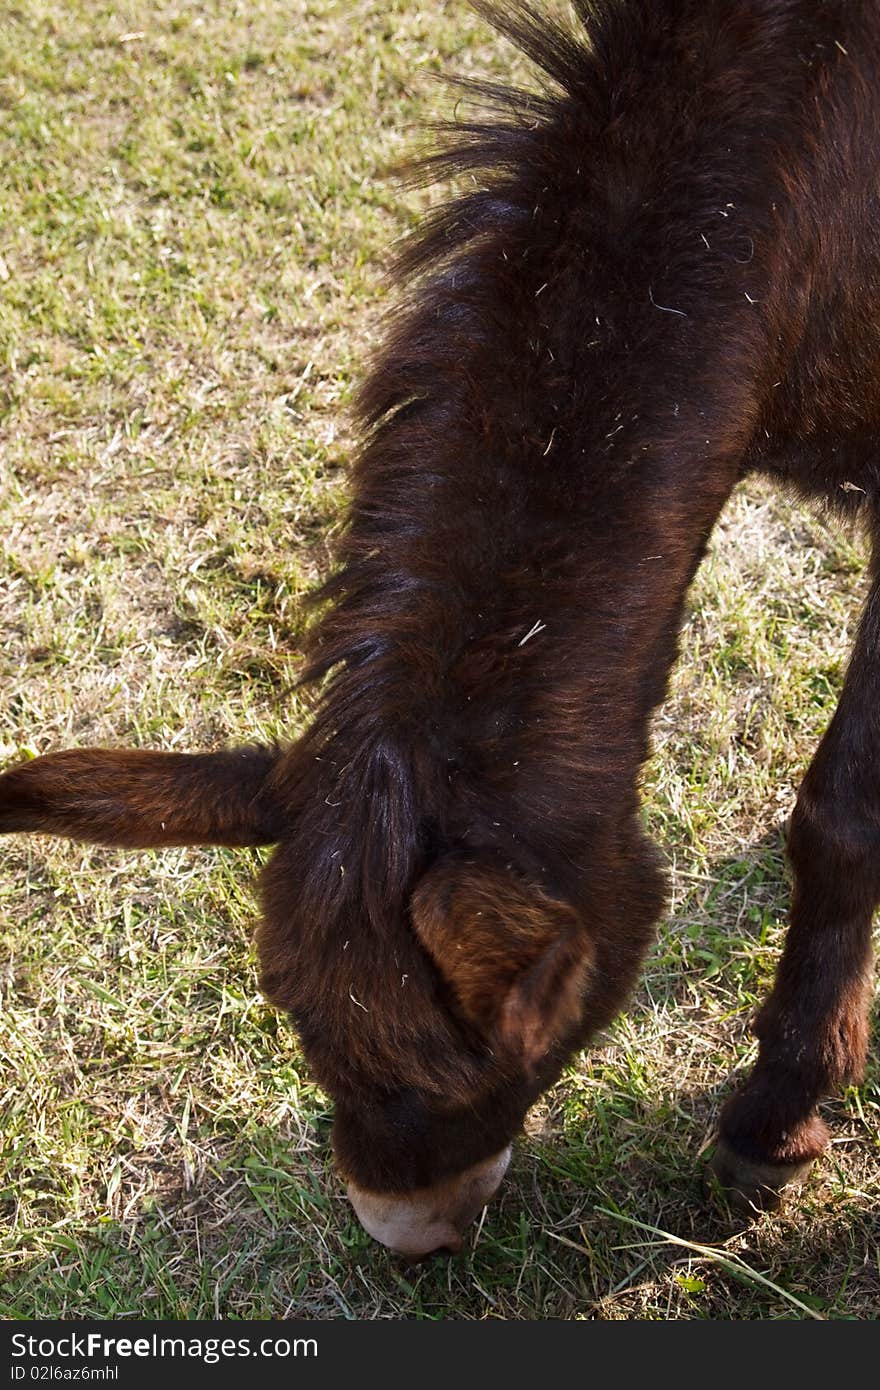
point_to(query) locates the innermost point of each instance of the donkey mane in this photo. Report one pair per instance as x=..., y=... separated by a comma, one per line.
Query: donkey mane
x=402, y=608
x=429, y=644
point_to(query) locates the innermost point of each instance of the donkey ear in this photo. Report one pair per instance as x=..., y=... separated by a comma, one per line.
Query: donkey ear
x=515, y=958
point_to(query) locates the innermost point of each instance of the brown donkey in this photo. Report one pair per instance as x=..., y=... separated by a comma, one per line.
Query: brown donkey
x=664, y=273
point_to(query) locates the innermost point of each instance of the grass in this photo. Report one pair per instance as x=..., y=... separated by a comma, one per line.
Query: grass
x=194, y=222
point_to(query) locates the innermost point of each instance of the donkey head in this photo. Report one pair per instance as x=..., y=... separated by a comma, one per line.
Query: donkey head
x=435, y=1015
x=433, y=1034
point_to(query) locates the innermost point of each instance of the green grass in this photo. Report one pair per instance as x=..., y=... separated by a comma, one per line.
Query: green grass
x=194, y=221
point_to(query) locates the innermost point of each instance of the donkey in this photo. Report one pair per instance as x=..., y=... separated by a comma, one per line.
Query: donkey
x=662, y=274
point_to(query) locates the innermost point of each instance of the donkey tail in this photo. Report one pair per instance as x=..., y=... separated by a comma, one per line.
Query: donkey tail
x=145, y=800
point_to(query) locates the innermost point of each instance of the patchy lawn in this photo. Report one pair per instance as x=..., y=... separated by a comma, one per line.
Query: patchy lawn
x=194, y=224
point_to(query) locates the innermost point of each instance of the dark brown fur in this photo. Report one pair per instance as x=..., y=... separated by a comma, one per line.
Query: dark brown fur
x=664, y=275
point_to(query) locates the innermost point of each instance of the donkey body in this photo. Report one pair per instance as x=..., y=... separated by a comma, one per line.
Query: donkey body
x=665, y=274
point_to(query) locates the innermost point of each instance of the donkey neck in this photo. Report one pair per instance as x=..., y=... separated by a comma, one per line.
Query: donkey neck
x=507, y=639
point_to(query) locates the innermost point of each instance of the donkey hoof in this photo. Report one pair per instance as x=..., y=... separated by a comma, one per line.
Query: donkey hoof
x=750, y=1187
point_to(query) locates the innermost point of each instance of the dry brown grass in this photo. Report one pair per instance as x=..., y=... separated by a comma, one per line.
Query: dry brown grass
x=193, y=229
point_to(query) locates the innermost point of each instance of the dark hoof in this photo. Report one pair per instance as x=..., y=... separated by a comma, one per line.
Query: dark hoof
x=749, y=1187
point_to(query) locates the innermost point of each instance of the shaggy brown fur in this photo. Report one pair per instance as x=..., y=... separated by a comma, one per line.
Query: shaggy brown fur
x=664, y=275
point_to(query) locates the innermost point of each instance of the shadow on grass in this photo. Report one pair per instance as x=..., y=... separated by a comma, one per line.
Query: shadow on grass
x=265, y=1231
x=628, y=1141
x=562, y=1241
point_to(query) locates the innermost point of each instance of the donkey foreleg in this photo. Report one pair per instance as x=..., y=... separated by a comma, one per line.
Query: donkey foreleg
x=813, y=1029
